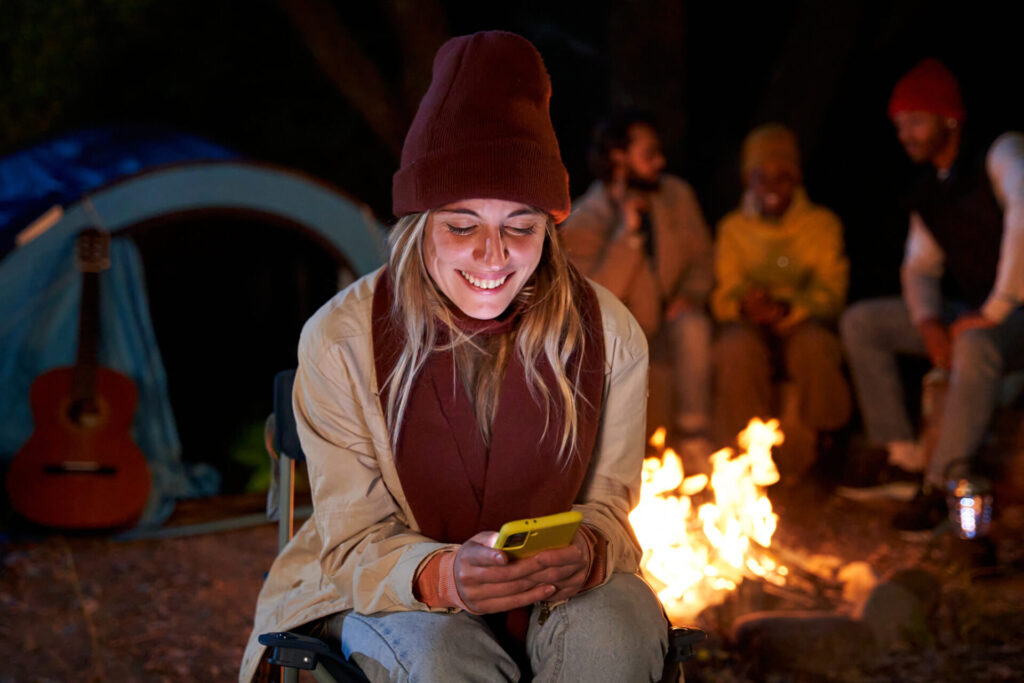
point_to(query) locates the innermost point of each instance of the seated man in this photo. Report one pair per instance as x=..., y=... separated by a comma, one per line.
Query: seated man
x=641, y=233
x=781, y=281
x=967, y=223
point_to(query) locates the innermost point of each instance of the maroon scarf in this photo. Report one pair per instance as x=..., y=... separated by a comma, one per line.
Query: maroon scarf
x=457, y=486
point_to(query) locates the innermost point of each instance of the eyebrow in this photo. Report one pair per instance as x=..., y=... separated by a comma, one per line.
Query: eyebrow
x=514, y=214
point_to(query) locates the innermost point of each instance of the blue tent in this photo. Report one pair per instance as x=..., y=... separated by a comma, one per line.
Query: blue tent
x=117, y=178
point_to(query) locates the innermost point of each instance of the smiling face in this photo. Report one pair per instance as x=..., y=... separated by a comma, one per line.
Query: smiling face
x=480, y=252
x=773, y=184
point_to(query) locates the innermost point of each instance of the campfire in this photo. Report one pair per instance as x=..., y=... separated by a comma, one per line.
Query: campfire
x=702, y=535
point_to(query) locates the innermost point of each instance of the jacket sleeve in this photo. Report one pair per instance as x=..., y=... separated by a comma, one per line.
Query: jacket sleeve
x=1006, y=171
x=921, y=272
x=368, y=551
x=612, y=486
x=730, y=282
x=598, y=246
x=824, y=294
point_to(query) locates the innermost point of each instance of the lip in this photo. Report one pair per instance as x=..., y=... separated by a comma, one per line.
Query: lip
x=466, y=275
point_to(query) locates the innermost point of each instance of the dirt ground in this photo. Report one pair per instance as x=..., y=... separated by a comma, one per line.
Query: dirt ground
x=92, y=609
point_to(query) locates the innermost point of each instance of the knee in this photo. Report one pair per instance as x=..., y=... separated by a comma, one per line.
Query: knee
x=811, y=344
x=695, y=324
x=975, y=353
x=857, y=323
x=736, y=345
x=432, y=646
x=624, y=622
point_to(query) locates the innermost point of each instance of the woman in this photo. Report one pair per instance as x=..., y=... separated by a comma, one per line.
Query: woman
x=474, y=380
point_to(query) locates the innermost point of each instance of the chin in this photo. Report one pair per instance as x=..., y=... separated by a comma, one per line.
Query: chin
x=483, y=310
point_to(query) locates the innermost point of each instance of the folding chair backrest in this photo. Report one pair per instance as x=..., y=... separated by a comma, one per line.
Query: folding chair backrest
x=286, y=436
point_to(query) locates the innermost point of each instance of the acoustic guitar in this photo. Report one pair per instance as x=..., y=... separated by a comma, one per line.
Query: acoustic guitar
x=80, y=468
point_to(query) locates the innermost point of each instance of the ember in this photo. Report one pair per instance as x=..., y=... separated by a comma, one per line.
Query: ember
x=697, y=552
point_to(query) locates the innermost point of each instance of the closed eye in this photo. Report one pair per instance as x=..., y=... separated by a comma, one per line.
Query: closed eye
x=459, y=230
x=521, y=230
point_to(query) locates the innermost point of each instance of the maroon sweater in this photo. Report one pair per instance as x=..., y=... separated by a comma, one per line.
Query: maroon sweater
x=456, y=484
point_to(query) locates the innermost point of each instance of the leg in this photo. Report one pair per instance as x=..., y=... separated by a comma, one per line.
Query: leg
x=814, y=363
x=873, y=333
x=980, y=359
x=421, y=646
x=616, y=632
x=691, y=363
x=743, y=382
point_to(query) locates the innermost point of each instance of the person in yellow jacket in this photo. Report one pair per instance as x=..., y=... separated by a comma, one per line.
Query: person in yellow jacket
x=781, y=281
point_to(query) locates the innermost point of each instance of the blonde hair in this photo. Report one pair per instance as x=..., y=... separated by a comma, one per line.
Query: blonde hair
x=551, y=327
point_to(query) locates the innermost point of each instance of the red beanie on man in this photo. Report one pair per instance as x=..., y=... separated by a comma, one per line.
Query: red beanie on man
x=930, y=87
x=483, y=130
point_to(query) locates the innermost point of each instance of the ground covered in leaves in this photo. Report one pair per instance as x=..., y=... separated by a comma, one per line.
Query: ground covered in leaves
x=94, y=609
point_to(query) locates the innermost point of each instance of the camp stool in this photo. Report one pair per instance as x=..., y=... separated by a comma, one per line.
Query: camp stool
x=293, y=651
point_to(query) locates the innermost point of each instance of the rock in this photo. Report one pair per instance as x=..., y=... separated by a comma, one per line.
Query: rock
x=925, y=585
x=819, y=643
x=896, y=617
x=858, y=579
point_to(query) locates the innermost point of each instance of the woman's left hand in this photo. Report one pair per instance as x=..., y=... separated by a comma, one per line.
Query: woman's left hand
x=565, y=568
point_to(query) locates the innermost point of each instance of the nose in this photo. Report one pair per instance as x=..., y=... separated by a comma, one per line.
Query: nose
x=492, y=252
x=903, y=134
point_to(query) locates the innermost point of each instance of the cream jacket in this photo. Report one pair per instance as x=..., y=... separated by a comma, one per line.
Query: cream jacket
x=361, y=548
x=601, y=248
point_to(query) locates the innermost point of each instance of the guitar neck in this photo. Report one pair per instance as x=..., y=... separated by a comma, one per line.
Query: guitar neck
x=84, y=379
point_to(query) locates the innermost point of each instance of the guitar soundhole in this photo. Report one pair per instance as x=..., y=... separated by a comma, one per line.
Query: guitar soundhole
x=81, y=467
x=85, y=413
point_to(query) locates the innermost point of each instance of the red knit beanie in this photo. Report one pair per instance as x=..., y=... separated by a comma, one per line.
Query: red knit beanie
x=930, y=87
x=483, y=130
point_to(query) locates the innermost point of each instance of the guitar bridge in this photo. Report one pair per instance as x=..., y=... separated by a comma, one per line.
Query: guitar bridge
x=80, y=467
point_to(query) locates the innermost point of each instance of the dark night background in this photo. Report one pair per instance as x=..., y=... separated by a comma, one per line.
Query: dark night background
x=329, y=87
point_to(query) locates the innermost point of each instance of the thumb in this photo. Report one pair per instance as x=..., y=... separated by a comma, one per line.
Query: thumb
x=485, y=538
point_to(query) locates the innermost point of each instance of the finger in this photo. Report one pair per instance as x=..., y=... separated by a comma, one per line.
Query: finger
x=559, y=576
x=504, y=604
x=566, y=592
x=481, y=555
x=498, y=580
x=555, y=557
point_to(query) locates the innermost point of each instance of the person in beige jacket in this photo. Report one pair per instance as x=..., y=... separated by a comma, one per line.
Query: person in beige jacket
x=477, y=378
x=640, y=232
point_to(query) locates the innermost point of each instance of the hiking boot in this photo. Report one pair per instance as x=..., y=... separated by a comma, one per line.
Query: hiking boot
x=926, y=511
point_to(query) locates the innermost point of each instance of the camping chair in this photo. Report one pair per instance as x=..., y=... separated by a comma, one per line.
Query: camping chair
x=293, y=651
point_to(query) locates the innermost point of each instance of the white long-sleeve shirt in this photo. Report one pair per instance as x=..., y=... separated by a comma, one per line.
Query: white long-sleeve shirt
x=924, y=260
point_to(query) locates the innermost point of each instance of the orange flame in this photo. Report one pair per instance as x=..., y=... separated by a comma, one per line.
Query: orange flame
x=693, y=557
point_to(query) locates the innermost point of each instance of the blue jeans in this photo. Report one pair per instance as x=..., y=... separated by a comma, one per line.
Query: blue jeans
x=615, y=632
x=875, y=331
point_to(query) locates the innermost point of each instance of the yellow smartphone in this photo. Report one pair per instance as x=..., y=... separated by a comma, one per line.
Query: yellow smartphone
x=525, y=537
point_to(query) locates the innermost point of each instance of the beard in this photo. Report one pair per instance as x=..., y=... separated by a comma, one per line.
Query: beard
x=639, y=184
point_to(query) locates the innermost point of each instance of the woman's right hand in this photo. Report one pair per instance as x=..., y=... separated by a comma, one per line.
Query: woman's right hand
x=489, y=582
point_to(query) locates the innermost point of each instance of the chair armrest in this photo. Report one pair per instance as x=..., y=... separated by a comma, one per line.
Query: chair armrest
x=681, y=641
x=291, y=650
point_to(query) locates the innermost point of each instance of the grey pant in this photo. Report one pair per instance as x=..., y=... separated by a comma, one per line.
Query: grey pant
x=875, y=331
x=684, y=345
x=615, y=632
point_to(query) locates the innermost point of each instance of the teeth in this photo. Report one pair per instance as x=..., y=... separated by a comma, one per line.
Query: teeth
x=483, y=284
